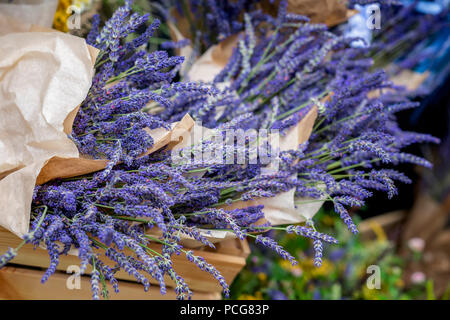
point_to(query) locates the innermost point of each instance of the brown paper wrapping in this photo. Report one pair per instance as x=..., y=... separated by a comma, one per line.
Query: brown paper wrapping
x=186, y=51
x=173, y=137
x=58, y=167
x=406, y=78
x=44, y=76
x=181, y=28
x=410, y=79
x=224, y=49
x=299, y=133
x=209, y=65
x=329, y=12
x=211, y=62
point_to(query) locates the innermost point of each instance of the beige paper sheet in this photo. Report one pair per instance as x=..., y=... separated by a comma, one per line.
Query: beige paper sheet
x=39, y=12
x=410, y=79
x=44, y=76
x=329, y=12
x=209, y=65
x=185, y=51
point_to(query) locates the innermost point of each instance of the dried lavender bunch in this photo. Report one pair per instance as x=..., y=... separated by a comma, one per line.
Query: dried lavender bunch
x=211, y=21
x=111, y=121
x=276, y=78
x=97, y=215
x=404, y=29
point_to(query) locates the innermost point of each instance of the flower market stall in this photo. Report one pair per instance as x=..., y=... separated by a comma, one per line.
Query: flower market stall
x=144, y=145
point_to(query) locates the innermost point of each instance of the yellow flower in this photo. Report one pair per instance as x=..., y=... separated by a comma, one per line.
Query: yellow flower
x=369, y=294
x=295, y=270
x=262, y=276
x=378, y=230
x=325, y=269
x=258, y=295
x=247, y=297
x=60, y=21
x=312, y=271
x=61, y=16
x=399, y=283
x=63, y=12
x=285, y=265
x=328, y=220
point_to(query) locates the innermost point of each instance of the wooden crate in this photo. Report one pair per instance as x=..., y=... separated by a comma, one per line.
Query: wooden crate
x=24, y=284
x=229, y=258
x=387, y=221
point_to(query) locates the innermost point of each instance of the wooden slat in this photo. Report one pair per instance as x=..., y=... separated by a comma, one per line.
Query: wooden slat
x=229, y=263
x=24, y=284
x=386, y=221
x=233, y=248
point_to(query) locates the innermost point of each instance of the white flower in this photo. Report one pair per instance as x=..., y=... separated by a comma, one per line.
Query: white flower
x=418, y=277
x=416, y=244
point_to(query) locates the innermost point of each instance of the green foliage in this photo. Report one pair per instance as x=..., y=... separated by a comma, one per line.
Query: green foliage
x=343, y=274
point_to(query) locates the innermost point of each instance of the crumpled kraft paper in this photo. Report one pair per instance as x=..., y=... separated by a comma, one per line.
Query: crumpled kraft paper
x=186, y=51
x=406, y=78
x=58, y=167
x=209, y=65
x=329, y=12
x=44, y=76
x=410, y=79
x=204, y=68
x=173, y=137
x=299, y=133
x=38, y=12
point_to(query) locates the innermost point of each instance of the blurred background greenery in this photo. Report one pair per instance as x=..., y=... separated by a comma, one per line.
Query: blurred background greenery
x=344, y=271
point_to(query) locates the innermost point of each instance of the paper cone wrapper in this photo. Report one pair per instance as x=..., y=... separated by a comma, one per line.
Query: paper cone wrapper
x=44, y=76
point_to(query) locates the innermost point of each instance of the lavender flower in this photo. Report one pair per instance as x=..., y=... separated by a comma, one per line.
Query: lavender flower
x=271, y=244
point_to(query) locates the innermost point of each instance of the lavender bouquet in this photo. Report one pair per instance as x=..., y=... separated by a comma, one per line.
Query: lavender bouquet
x=406, y=30
x=416, y=40
x=278, y=72
x=277, y=75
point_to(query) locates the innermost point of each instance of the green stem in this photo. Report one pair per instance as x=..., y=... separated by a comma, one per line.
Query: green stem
x=292, y=111
x=30, y=235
